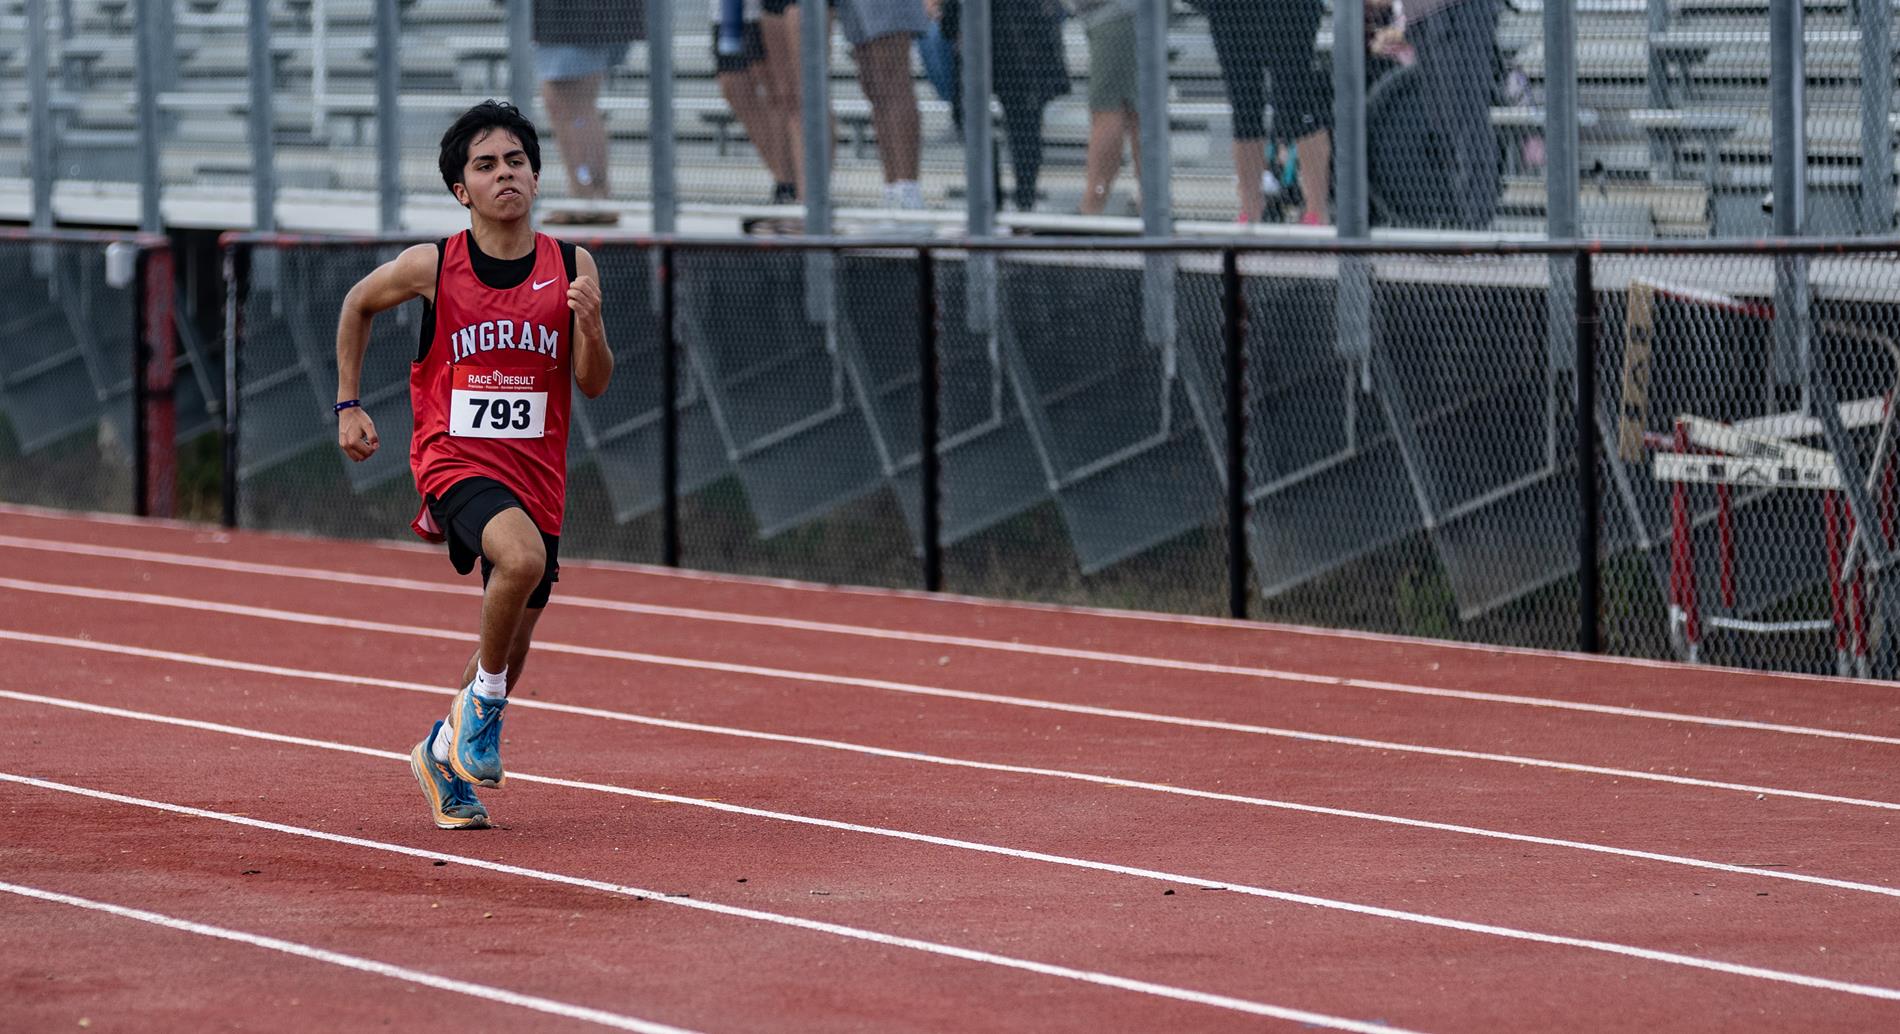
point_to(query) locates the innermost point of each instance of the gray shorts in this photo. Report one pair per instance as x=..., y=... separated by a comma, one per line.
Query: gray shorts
x=557, y=61
x=1112, y=79
x=867, y=20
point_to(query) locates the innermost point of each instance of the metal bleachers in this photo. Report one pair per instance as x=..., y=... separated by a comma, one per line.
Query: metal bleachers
x=1711, y=54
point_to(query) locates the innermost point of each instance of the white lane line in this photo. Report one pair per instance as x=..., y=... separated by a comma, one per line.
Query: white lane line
x=335, y=678
x=1137, y=872
x=485, y=992
x=98, y=517
x=388, y=628
x=935, y=639
x=992, y=603
x=1179, y=994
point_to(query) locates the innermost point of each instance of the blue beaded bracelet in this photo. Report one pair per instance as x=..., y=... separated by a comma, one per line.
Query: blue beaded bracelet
x=349, y=404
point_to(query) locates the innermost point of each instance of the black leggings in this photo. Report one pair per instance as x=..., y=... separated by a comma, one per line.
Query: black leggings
x=1022, y=124
x=1271, y=38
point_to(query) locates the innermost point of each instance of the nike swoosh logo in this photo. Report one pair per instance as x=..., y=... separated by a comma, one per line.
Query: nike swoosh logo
x=543, y=283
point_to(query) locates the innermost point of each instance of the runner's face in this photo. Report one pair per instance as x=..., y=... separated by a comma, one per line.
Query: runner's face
x=497, y=181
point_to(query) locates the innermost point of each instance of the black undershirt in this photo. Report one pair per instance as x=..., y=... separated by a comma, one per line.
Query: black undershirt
x=498, y=274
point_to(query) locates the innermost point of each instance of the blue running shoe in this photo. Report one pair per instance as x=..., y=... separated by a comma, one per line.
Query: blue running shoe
x=451, y=800
x=475, y=726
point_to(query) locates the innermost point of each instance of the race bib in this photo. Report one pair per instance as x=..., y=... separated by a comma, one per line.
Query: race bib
x=492, y=403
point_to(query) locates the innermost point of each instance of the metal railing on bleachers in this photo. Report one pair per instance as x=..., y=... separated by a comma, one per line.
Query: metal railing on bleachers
x=1665, y=105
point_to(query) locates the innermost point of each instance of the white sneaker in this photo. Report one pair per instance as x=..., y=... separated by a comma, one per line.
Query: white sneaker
x=904, y=195
x=908, y=194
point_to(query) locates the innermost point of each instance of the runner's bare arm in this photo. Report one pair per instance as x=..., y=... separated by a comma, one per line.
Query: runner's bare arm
x=593, y=360
x=408, y=275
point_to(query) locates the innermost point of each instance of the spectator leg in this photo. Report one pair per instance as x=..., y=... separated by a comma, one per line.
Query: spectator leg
x=1302, y=96
x=1315, y=151
x=779, y=142
x=1250, y=163
x=1106, y=129
x=785, y=91
x=746, y=96
x=1134, y=152
x=1023, y=126
x=575, y=115
x=884, y=71
x=1243, y=34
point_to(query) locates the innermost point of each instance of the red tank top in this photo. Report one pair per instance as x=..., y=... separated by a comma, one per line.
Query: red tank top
x=492, y=394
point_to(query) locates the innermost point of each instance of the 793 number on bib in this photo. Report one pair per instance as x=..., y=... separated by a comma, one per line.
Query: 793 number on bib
x=490, y=403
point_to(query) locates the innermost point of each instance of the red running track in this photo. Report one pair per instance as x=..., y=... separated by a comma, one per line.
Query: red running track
x=737, y=805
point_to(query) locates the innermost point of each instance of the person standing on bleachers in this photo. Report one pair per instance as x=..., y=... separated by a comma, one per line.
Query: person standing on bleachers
x=576, y=42
x=778, y=25
x=1456, y=44
x=1113, y=107
x=1273, y=40
x=749, y=88
x=880, y=33
x=1027, y=72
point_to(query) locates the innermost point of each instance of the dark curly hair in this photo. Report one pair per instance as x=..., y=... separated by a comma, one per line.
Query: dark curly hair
x=481, y=118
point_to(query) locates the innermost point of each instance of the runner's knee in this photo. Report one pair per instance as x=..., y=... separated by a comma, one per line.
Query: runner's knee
x=514, y=546
x=522, y=561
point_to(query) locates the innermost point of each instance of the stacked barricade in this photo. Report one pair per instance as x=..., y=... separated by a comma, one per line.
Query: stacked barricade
x=88, y=371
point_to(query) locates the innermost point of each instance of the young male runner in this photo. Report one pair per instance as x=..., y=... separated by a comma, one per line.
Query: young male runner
x=508, y=316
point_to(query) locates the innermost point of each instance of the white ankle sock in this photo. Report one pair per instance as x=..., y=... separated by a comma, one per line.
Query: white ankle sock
x=491, y=687
x=904, y=194
x=439, y=747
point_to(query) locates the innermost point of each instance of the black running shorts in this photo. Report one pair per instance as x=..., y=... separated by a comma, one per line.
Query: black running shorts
x=465, y=509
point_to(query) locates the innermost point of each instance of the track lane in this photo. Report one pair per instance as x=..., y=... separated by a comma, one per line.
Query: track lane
x=1747, y=757
x=928, y=718
x=1770, y=1009
x=586, y=946
x=485, y=992
x=296, y=676
x=70, y=969
x=1610, y=898
x=1846, y=704
x=1810, y=837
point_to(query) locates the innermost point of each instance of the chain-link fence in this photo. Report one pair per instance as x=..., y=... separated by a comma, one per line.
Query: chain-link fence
x=1378, y=437
x=1080, y=445
x=1664, y=118
x=87, y=373
x=1765, y=434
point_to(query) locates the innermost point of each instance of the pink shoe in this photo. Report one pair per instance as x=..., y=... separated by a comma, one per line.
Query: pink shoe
x=1312, y=219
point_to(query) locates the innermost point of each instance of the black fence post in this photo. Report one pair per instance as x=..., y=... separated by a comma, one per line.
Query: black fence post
x=1234, y=332
x=141, y=358
x=157, y=419
x=1589, y=502
x=669, y=415
x=929, y=470
x=237, y=276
